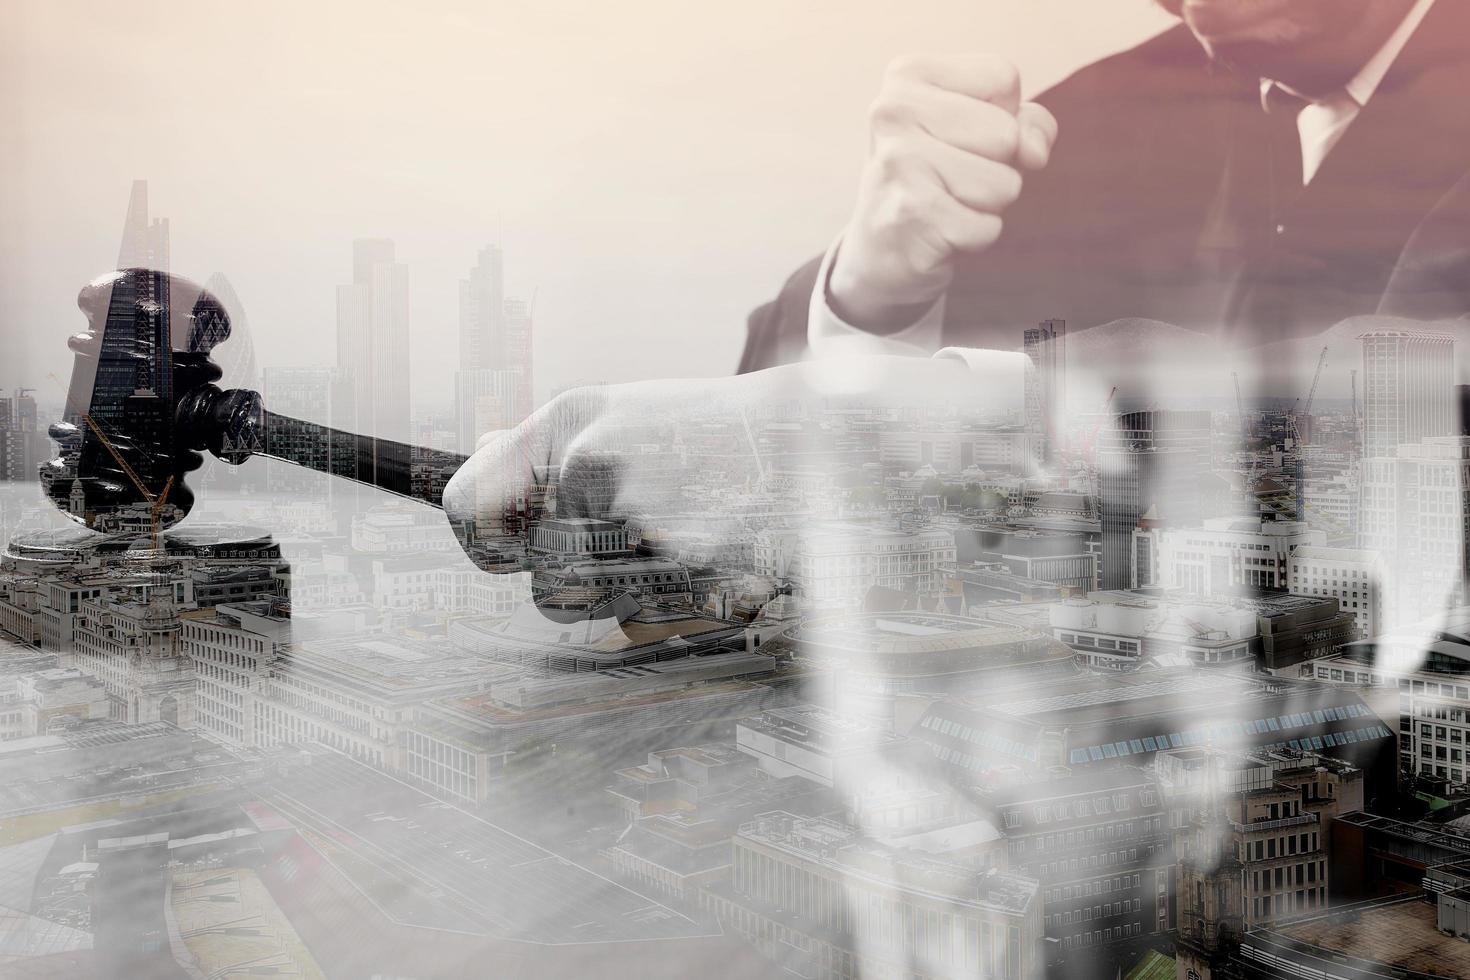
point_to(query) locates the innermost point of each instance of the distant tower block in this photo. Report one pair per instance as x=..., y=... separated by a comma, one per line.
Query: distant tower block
x=1408, y=389
x=1045, y=347
x=144, y=240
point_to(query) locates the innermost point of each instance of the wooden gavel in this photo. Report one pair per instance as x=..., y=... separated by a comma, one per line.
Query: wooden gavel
x=143, y=406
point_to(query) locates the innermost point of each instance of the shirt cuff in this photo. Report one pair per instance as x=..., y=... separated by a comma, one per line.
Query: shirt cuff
x=828, y=334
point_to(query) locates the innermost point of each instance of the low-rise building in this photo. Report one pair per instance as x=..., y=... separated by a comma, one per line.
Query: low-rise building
x=836, y=564
x=655, y=578
x=1229, y=555
x=1428, y=666
x=1349, y=575
x=824, y=901
x=579, y=537
x=1252, y=839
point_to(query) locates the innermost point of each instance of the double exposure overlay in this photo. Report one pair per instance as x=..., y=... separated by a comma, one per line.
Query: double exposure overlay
x=565, y=493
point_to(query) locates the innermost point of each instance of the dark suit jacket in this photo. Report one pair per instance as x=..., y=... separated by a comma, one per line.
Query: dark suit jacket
x=1163, y=201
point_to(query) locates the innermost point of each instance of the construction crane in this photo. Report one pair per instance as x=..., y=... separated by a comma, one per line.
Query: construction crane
x=1088, y=443
x=1083, y=450
x=1296, y=431
x=1316, y=379
x=1239, y=402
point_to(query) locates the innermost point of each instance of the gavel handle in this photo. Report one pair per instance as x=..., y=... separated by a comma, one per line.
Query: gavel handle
x=380, y=463
x=234, y=425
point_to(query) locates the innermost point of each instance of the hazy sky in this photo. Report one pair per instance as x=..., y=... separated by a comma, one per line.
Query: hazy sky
x=654, y=169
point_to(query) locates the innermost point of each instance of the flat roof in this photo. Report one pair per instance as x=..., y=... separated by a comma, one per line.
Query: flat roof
x=823, y=841
x=906, y=633
x=1404, y=935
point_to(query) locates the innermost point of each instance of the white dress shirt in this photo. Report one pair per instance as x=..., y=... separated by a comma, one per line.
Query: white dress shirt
x=1321, y=125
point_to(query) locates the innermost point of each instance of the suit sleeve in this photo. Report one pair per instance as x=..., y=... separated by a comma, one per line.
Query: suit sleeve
x=775, y=333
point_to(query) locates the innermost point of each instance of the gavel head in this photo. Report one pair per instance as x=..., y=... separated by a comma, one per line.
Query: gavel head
x=125, y=445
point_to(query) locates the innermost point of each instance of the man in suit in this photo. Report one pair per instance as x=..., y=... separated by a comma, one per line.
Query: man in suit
x=1262, y=171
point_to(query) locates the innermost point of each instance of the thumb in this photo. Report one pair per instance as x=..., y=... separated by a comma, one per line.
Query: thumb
x=1038, y=134
x=513, y=463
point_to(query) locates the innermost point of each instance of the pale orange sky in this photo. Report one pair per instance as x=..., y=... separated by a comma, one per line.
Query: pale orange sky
x=654, y=169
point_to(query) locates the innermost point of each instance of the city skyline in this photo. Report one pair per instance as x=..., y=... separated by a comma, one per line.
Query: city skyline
x=1069, y=579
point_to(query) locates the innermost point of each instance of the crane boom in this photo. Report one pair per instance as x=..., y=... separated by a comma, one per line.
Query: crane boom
x=1312, y=394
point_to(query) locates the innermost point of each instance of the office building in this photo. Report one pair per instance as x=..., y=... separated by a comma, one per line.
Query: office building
x=495, y=377
x=1109, y=719
x=1351, y=576
x=880, y=662
x=1100, y=846
x=373, y=346
x=303, y=401
x=1422, y=672
x=1415, y=505
x=233, y=649
x=1125, y=630
x=145, y=240
x=836, y=564
x=879, y=779
x=1149, y=462
x=1252, y=840
x=953, y=450
x=1045, y=348
x=1227, y=556
x=824, y=901
x=1408, y=393
x=486, y=400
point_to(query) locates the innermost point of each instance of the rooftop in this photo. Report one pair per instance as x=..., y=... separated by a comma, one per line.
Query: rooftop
x=904, y=633
x=1401, y=934
x=837, y=845
x=813, y=726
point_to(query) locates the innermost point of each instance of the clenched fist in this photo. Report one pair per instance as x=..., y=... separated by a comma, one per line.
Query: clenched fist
x=950, y=140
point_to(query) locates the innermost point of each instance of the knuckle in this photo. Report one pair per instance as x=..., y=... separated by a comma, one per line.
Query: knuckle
x=1000, y=73
x=1007, y=137
x=892, y=161
x=1009, y=185
x=888, y=111
x=986, y=229
x=905, y=66
x=911, y=206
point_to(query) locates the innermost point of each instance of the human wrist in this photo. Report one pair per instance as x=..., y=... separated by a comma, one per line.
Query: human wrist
x=851, y=296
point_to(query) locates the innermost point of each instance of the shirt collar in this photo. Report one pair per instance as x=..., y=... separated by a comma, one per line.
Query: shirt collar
x=1361, y=87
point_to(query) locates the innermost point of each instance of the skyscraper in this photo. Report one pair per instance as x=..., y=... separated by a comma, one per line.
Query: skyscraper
x=1045, y=347
x=493, y=388
x=516, y=347
x=372, y=342
x=1414, y=507
x=145, y=242
x=485, y=401
x=482, y=311
x=302, y=399
x=1408, y=391
x=1150, y=462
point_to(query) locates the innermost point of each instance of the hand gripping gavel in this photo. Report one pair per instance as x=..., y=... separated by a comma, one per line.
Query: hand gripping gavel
x=143, y=405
